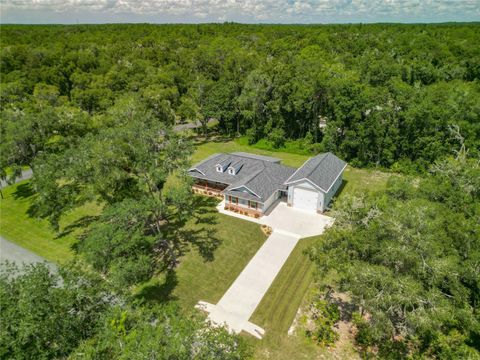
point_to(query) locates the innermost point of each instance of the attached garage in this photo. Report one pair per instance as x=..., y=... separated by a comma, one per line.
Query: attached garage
x=315, y=183
x=305, y=199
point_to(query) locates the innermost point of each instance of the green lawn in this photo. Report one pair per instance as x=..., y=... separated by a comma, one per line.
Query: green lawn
x=34, y=234
x=199, y=278
x=279, y=306
x=205, y=275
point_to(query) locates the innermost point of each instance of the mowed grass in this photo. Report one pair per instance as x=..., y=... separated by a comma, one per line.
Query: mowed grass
x=208, y=277
x=203, y=275
x=279, y=306
x=204, y=150
x=36, y=235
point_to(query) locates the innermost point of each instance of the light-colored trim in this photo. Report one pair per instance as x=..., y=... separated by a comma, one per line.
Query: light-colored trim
x=307, y=180
x=286, y=181
x=325, y=191
x=334, y=181
x=201, y=172
x=246, y=187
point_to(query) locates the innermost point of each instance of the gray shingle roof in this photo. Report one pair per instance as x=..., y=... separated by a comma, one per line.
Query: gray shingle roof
x=258, y=157
x=322, y=170
x=263, y=177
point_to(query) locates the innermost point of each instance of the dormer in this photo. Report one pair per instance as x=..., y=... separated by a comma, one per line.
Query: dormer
x=222, y=166
x=235, y=168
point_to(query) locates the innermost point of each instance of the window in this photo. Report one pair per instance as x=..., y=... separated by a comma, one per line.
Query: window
x=252, y=204
x=231, y=171
x=232, y=199
x=219, y=168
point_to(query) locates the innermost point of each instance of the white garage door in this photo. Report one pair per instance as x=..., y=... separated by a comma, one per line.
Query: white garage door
x=305, y=199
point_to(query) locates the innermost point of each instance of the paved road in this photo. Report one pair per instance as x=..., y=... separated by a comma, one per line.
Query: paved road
x=17, y=254
x=26, y=174
x=12, y=252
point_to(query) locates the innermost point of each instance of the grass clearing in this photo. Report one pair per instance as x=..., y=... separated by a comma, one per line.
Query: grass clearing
x=223, y=146
x=201, y=278
x=36, y=235
x=280, y=304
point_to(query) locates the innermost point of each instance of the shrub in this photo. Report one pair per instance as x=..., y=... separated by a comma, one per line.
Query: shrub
x=277, y=137
x=323, y=315
x=365, y=336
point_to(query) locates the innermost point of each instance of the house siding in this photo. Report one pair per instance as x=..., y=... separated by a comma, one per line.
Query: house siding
x=242, y=202
x=270, y=201
x=328, y=196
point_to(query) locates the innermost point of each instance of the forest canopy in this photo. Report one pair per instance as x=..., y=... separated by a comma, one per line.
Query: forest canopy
x=376, y=95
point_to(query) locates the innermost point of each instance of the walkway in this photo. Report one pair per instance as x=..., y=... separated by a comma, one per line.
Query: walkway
x=242, y=298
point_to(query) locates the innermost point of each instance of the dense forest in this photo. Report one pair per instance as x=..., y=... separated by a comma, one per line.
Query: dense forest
x=409, y=257
x=91, y=108
x=376, y=95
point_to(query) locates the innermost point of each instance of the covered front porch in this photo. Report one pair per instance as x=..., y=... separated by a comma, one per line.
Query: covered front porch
x=243, y=206
x=208, y=188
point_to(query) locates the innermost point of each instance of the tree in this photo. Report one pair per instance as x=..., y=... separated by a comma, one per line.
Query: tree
x=73, y=314
x=161, y=332
x=46, y=315
x=408, y=266
x=124, y=167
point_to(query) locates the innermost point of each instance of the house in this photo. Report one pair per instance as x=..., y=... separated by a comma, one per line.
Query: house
x=251, y=183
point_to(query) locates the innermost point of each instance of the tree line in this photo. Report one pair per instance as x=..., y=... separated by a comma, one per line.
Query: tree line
x=376, y=95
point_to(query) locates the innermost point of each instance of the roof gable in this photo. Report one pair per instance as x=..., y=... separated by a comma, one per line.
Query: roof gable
x=321, y=170
x=261, y=177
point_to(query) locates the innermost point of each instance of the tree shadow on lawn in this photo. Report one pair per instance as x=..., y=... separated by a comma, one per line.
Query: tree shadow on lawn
x=82, y=222
x=159, y=291
x=23, y=191
x=198, y=230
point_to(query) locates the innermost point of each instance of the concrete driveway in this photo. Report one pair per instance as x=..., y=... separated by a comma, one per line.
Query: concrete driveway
x=298, y=222
x=242, y=298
